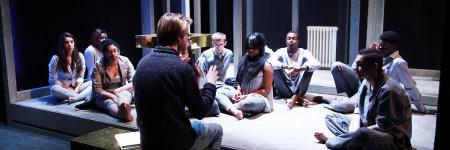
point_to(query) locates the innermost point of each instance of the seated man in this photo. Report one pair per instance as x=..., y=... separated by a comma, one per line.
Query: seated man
x=220, y=57
x=217, y=55
x=383, y=118
x=394, y=66
x=165, y=86
x=293, y=69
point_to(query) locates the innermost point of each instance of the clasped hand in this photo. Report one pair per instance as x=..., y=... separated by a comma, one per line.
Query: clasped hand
x=294, y=70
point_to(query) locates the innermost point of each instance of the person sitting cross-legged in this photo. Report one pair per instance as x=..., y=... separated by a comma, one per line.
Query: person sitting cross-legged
x=394, y=66
x=66, y=72
x=254, y=76
x=382, y=119
x=293, y=70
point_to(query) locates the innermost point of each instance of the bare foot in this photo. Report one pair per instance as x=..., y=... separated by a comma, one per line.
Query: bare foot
x=290, y=103
x=125, y=112
x=237, y=113
x=303, y=102
x=321, y=137
x=297, y=99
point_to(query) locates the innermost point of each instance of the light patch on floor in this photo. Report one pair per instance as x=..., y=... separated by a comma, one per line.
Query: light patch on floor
x=294, y=129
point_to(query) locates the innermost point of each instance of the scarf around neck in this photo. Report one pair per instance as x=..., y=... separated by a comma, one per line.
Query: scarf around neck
x=250, y=67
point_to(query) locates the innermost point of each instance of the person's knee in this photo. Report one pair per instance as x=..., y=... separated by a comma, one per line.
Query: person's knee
x=112, y=109
x=277, y=73
x=252, y=101
x=221, y=98
x=125, y=93
x=214, y=111
x=362, y=133
x=336, y=66
x=253, y=105
x=342, y=106
x=125, y=96
x=217, y=129
x=54, y=88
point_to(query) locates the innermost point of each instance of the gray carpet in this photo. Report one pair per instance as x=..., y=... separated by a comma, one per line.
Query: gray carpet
x=294, y=129
x=18, y=139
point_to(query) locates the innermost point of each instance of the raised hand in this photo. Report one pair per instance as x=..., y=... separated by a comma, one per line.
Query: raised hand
x=375, y=45
x=211, y=76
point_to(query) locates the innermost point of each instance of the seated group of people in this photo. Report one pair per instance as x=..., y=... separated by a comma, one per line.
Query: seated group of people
x=108, y=83
x=164, y=86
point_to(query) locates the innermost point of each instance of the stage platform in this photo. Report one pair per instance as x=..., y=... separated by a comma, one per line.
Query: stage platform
x=280, y=129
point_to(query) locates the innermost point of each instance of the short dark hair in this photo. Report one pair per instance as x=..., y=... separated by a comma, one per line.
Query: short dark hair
x=295, y=32
x=390, y=36
x=256, y=40
x=104, y=46
x=371, y=56
x=97, y=33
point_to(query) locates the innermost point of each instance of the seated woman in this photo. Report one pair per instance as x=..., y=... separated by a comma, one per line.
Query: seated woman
x=112, y=82
x=66, y=71
x=254, y=76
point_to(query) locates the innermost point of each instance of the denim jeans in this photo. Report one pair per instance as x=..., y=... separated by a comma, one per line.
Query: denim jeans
x=209, y=135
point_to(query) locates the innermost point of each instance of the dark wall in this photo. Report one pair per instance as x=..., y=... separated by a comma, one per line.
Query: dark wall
x=362, y=24
x=273, y=18
x=442, y=123
x=204, y=16
x=325, y=13
x=2, y=89
x=225, y=20
x=37, y=25
x=420, y=24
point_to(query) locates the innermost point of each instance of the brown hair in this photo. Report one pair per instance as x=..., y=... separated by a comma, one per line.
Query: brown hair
x=62, y=54
x=170, y=29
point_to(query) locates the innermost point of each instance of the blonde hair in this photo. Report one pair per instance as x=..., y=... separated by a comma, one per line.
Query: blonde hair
x=219, y=36
x=187, y=22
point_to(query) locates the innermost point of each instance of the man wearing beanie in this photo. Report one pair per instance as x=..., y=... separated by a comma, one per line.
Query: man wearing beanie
x=393, y=65
x=397, y=68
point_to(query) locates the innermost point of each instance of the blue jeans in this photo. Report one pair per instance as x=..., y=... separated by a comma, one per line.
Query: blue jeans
x=285, y=86
x=209, y=135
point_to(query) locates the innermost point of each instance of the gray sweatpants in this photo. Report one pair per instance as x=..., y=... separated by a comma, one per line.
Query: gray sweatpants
x=62, y=93
x=345, y=79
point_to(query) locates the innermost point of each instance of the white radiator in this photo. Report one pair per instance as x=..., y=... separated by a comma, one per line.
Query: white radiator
x=321, y=43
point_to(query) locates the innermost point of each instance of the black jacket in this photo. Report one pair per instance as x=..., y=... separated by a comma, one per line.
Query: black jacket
x=164, y=86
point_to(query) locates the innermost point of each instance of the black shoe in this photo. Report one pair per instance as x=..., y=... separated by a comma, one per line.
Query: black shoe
x=320, y=100
x=277, y=97
x=248, y=115
x=418, y=108
x=86, y=105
